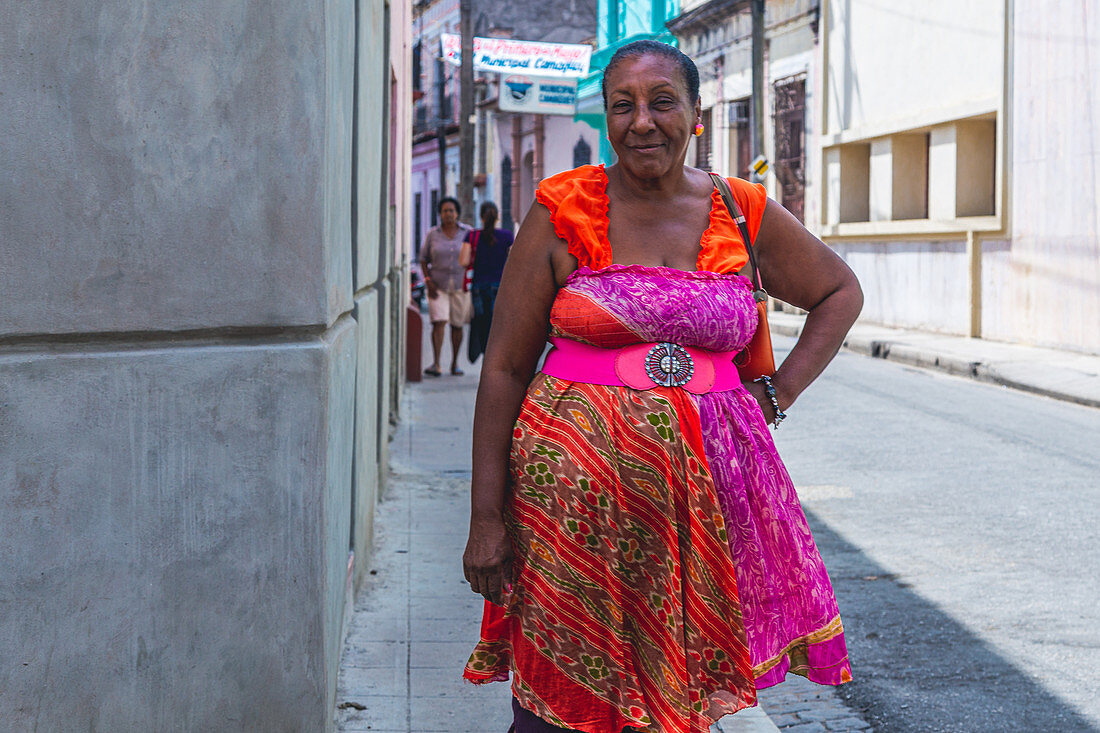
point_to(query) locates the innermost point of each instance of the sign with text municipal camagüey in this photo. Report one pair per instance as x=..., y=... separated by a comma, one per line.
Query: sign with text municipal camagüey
x=506, y=56
x=535, y=95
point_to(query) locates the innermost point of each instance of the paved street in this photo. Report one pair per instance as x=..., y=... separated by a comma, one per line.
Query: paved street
x=959, y=522
x=956, y=519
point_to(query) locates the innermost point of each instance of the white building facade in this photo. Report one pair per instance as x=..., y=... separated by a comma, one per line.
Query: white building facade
x=960, y=147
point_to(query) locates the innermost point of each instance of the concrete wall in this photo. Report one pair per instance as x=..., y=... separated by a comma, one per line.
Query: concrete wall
x=211, y=115
x=1008, y=151
x=182, y=386
x=893, y=63
x=1045, y=287
x=915, y=284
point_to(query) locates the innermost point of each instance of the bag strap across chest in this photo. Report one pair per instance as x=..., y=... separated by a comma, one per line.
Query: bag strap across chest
x=723, y=186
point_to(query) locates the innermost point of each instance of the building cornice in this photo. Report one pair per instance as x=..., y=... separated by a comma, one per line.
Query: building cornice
x=705, y=15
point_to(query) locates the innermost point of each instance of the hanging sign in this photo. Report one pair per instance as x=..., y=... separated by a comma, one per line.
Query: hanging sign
x=536, y=95
x=505, y=56
x=759, y=168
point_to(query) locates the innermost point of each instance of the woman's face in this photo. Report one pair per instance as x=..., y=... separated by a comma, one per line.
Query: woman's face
x=448, y=214
x=649, y=115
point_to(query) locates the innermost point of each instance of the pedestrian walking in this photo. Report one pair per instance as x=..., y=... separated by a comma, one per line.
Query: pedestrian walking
x=485, y=252
x=445, y=278
x=645, y=562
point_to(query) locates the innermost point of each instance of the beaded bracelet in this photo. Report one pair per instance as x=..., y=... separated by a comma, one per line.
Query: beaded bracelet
x=769, y=390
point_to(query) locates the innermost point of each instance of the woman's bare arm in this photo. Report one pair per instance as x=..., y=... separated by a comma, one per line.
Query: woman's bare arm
x=797, y=268
x=516, y=341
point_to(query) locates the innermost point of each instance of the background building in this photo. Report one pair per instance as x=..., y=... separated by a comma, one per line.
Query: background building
x=203, y=262
x=435, y=114
x=619, y=22
x=717, y=35
x=513, y=152
x=960, y=164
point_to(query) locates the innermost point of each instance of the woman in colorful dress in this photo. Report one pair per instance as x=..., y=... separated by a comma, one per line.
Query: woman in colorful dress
x=645, y=562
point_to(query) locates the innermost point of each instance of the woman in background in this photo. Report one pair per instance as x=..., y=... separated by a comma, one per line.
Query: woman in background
x=486, y=250
x=444, y=276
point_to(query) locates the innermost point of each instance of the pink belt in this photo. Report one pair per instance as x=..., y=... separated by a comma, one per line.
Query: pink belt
x=643, y=366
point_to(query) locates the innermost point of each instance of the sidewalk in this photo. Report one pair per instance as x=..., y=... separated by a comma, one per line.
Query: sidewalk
x=415, y=620
x=1063, y=375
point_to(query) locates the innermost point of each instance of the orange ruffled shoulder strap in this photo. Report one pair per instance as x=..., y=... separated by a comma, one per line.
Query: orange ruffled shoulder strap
x=722, y=249
x=577, y=200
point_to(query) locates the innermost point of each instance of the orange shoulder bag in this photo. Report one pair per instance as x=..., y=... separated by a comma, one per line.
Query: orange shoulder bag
x=757, y=359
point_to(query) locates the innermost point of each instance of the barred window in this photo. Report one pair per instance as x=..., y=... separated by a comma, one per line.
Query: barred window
x=703, y=143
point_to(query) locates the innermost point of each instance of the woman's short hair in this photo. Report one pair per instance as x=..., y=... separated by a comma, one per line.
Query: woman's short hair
x=448, y=200
x=644, y=48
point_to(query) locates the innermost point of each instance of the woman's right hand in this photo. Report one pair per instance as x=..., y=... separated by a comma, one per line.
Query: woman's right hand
x=521, y=319
x=487, y=562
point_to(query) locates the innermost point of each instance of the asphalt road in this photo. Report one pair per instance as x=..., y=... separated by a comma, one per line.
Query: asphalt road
x=960, y=523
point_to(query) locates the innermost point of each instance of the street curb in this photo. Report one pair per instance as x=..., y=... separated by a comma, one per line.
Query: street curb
x=749, y=720
x=904, y=353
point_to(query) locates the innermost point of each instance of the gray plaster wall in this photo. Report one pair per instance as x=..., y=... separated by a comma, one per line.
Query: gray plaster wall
x=174, y=166
x=172, y=523
x=334, y=527
x=379, y=171
x=183, y=384
x=385, y=366
x=367, y=467
x=373, y=78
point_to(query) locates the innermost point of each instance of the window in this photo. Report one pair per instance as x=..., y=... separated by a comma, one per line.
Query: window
x=740, y=138
x=790, y=158
x=440, y=92
x=418, y=213
x=435, y=207
x=703, y=143
x=934, y=175
x=506, y=220
x=962, y=162
x=582, y=153
x=850, y=176
x=899, y=177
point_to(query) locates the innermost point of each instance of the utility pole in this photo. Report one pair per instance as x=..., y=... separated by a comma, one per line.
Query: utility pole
x=757, y=77
x=441, y=125
x=466, y=115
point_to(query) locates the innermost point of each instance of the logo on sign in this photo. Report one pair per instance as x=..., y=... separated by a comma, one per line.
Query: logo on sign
x=519, y=88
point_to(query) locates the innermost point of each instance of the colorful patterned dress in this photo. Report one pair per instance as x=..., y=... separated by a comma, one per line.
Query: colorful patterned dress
x=665, y=567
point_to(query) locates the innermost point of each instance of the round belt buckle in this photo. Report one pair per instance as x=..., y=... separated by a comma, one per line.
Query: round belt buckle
x=669, y=365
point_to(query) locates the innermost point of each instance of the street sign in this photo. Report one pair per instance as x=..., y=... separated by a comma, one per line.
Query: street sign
x=504, y=56
x=535, y=95
x=760, y=166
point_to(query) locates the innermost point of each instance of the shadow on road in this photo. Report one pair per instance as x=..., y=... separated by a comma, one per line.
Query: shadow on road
x=917, y=669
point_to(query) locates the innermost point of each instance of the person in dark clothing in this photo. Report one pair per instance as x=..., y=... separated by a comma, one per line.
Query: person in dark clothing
x=485, y=250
